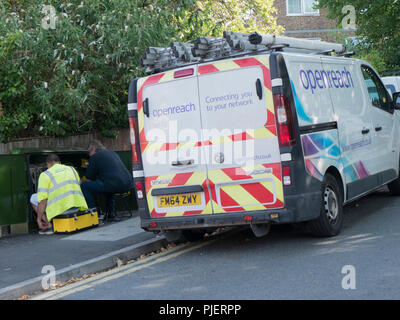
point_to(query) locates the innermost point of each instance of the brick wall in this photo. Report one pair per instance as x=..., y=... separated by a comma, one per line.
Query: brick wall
x=310, y=22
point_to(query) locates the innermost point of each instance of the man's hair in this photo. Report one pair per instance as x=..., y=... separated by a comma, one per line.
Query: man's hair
x=96, y=144
x=52, y=157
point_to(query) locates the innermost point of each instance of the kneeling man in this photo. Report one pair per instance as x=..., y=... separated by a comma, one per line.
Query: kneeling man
x=58, y=191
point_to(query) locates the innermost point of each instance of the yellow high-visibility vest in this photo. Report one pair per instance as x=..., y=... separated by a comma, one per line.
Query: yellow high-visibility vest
x=60, y=186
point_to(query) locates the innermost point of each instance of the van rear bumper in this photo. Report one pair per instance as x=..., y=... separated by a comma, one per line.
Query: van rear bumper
x=297, y=209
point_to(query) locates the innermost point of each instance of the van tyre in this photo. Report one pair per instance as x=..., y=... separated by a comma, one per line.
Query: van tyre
x=330, y=221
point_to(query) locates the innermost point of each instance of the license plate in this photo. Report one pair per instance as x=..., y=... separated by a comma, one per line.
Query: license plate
x=178, y=200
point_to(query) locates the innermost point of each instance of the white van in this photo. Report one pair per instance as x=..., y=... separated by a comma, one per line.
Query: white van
x=392, y=84
x=262, y=138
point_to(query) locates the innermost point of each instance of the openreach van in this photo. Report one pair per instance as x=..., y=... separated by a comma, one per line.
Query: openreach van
x=258, y=130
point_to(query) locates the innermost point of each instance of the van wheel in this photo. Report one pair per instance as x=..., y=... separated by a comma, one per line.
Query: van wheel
x=330, y=221
x=193, y=235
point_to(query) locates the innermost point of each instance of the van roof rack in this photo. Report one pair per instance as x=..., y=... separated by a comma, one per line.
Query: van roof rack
x=210, y=48
x=232, y=44
x=315, y=45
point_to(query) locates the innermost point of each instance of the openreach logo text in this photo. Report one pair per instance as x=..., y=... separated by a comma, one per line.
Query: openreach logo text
x=321, y=79
x=167, y=111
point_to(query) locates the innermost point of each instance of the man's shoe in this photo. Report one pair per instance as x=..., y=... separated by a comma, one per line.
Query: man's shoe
x=47, y=231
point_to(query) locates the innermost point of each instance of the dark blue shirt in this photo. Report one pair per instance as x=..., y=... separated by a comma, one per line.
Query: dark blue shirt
x=106, y=166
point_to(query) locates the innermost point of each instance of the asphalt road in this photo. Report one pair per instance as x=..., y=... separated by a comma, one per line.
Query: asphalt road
x=286, y=264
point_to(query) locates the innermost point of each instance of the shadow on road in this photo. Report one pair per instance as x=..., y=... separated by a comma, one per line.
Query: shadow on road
x=366, y=222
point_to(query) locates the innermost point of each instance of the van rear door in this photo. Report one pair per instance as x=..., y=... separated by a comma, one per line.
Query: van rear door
x=170, y=130
x=238, y=120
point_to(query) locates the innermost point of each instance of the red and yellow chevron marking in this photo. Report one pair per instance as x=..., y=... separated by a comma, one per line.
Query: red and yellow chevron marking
x=260, y=195
x=178, y=179
x=261, y=61
x=143, y=82
x=233, y=197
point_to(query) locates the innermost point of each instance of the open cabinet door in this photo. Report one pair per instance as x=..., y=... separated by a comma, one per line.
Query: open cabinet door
x=14, y=205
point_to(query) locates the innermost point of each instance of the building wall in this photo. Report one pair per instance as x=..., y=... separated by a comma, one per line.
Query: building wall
x=309, y=22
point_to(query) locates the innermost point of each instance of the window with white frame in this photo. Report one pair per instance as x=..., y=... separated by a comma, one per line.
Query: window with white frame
x=301, y=7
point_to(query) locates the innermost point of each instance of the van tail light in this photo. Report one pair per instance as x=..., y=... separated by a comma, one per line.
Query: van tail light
x=134, y=135
x=139, y=190
x=286, y=176
x=284, y=119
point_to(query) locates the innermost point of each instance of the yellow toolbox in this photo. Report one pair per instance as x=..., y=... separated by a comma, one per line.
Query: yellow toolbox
x=74, y=220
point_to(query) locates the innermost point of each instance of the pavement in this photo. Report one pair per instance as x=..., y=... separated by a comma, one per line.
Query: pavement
x=23, y=257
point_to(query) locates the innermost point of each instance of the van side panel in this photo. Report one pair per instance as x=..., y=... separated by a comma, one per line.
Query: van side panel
x=354, y=115
x=309, y=86
x=310, y=83
x=321, y=151
x=303, y=197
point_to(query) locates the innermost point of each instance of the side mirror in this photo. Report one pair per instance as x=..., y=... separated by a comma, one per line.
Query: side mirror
x=396, y=100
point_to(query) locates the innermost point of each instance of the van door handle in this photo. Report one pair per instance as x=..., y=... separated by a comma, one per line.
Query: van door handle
x=259, y=89
x=365, y=131
x=146, y=107
x=182, y=163
x=378, y=128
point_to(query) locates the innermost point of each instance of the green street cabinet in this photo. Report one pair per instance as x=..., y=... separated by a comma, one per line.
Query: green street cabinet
x=19, y=174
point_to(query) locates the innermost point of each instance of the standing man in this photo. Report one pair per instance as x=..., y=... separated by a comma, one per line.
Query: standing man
x=58, y=191
x=107, y=175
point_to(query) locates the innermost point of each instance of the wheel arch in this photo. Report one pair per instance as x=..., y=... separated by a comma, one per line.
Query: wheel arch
x=336, y=173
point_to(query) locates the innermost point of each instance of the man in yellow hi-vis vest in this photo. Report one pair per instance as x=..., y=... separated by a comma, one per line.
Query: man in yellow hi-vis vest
x=58, y=190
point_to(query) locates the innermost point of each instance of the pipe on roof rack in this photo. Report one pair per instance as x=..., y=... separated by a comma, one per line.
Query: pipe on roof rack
x=298, y=43
x=240, y=41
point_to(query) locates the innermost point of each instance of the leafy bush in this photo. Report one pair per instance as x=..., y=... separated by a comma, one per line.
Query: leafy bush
x=74, y=78
x=377, y=25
